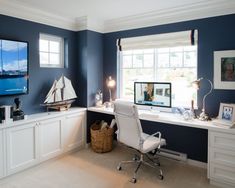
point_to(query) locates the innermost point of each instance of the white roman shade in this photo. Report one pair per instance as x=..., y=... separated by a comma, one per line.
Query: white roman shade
x=182, y=38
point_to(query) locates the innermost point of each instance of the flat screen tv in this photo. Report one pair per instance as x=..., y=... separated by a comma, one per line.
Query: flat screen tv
x=13, y=67
x=156, y=94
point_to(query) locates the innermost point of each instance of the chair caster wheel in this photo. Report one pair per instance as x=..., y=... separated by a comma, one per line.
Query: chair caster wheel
x=119, y=168
x=135, y=158
x=133, y=180
x=161, y=177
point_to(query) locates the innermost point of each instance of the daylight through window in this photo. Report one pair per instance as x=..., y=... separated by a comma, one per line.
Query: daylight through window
x=51, y=49
x=176, y=64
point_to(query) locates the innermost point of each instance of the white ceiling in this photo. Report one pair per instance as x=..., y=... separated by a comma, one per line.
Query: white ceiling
x=113, y=15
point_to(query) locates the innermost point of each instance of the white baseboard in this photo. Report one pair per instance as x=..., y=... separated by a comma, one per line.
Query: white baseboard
x=197, y=163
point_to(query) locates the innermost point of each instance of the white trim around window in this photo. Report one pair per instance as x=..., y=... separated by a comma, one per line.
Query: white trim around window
x=51, y=51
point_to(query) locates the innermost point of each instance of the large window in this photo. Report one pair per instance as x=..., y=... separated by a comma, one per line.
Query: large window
x=177, y=65
x=51, y=49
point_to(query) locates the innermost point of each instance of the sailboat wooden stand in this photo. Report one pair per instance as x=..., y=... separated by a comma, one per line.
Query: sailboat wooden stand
x=61, y=95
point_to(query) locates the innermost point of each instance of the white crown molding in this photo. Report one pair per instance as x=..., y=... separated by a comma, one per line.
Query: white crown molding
x=28, y=13
x=194, y=11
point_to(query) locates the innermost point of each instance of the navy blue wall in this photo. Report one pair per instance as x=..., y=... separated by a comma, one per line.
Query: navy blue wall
x=82, y=67
x=214, y=34
x=40, y=79
x=90, y=57
x=95, y=65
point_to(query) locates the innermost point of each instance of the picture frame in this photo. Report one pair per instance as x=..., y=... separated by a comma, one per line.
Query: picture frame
x=224, y=69
x=226, y=115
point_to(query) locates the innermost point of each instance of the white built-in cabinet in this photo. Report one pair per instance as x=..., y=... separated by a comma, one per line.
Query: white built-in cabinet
x=2, y=158
x=21, y=147
x=50, y=138
x=73, y=130
x=43, y=137
x=221, y=158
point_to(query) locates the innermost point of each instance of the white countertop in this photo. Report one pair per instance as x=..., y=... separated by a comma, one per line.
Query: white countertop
x=170, y=118
x=41, y=116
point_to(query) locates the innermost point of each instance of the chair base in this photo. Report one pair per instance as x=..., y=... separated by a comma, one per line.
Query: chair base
x=140, y=160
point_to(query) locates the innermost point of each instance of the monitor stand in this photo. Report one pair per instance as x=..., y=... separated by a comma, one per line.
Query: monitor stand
x=153, y=109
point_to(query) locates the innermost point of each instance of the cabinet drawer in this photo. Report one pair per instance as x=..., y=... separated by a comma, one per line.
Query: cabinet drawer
x=222, y=140
x=221, y=156
x=223, y=173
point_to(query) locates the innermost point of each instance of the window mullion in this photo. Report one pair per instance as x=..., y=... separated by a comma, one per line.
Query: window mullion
x=155, y=64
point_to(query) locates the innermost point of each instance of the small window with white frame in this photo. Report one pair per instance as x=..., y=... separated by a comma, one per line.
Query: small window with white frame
x=51, y=51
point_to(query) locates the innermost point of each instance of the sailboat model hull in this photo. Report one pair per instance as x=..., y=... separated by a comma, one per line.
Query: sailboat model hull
x=60, y=106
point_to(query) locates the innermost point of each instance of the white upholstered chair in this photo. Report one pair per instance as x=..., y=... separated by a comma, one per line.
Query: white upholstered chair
x=130, y=133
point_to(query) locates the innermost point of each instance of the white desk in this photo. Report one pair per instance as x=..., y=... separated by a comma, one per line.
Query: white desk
x=169, y=118
x=221, y=139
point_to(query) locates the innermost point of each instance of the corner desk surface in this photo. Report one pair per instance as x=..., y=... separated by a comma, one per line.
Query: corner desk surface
x=169, y=118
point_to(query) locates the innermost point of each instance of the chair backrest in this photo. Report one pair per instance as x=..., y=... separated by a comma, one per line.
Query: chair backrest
x=128, y=123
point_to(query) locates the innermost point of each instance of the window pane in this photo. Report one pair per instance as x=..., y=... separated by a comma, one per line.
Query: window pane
x=54, y=59
x=127, y=61
x=54, y=47
x=44, y=58
x=181, y=79
x=127, y=52
x=43, y=45
x=163, y=50
x=138, y=61
x=176, y=49
x=149, y=51
x=176, y=59
x=132, y=75
x=163, y=60
x=190, y=59
x=138, y=51
x=148, y=60
x=190, y=48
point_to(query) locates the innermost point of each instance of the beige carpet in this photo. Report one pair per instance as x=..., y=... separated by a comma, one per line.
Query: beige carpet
x=86, y=169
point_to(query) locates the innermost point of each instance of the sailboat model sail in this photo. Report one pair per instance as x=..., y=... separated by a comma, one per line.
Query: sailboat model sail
x=61, y=94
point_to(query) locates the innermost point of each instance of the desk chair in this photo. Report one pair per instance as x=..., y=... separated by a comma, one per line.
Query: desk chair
x=130, y=133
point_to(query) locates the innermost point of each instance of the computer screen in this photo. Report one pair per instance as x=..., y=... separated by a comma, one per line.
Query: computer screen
x=153, y=94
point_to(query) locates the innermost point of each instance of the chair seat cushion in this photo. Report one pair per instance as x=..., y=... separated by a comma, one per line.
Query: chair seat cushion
x=151, y=143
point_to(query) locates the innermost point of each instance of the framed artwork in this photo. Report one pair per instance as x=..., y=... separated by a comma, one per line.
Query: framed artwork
x=224, y=69
x=227, y=112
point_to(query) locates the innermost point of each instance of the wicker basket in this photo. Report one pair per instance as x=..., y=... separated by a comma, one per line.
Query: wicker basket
x=101, y=139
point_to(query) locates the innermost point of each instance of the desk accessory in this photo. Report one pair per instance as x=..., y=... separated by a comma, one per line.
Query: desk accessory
x=226, y=115
x=110, y=84
x=18, y=114
x=99, y=98
x=203, y=116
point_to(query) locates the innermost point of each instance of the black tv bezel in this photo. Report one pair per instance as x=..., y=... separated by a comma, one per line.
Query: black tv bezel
x=152, y=104
x=26, y=93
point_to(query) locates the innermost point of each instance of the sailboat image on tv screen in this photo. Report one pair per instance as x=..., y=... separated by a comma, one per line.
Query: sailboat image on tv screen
x=61, y=95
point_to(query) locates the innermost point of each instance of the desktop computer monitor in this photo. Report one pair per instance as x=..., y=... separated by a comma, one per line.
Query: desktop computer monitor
x=155, y=94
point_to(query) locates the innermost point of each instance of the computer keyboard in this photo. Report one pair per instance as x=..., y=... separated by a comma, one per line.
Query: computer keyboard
x=148, y=115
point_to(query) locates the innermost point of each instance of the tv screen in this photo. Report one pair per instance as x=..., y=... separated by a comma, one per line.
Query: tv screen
x=153, y=94
x=13, y=67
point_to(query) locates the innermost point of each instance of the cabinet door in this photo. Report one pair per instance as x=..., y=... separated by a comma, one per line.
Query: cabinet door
x=2, y=155
x=73, y=131
x=22, y=151
x=50, y=138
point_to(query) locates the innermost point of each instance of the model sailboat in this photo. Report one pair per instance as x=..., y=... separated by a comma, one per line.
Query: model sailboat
x=61, y=94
